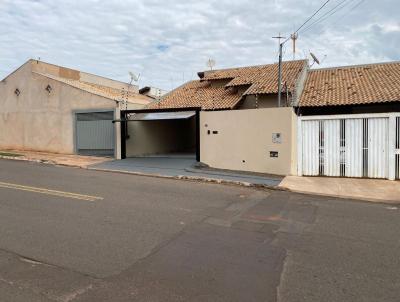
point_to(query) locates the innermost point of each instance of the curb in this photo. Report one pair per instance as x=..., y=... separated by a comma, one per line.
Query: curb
x=193, y=178
x=207, y=180
x=23, y=158
x=222, y=173
x=41, y=161
x=177, y=177
x=352, y=198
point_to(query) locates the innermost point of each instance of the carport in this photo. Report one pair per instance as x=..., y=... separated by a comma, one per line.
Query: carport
x=160, y=132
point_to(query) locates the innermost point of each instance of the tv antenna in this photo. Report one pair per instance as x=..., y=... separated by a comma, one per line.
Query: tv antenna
x=316, y=60
x=211, y=63
x=279, y=37
x=134, y=77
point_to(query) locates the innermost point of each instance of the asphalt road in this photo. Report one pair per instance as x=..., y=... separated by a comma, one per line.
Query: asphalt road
x=76, y=235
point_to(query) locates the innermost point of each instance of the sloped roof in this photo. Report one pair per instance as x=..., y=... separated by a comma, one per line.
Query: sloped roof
x=203, y=94
x=100, y=90
x=198, y=94
x=261, y=79
x=352, y=85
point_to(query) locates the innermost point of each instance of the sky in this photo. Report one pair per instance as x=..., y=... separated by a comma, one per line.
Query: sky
x=168, y=42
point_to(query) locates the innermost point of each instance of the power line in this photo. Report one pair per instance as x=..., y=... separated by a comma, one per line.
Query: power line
x=312, y=16
x=349, y=11
x=338, y=9
x=280, y=52
x=329, y=13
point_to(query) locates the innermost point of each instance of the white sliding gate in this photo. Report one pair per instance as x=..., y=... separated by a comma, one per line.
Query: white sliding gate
x=357, y=145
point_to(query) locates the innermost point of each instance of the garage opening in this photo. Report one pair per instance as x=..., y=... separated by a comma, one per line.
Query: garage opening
x=161, y=134
x=95, y=133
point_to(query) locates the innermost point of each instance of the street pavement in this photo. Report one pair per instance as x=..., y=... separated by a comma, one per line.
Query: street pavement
x=69, y=234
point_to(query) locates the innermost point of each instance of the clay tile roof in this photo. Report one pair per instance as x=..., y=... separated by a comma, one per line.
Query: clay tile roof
x=198, y=94
x=257, y=79
x=351, y=85
x=262, y=79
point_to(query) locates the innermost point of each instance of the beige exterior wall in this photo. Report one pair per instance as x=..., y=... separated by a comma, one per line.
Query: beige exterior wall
x=38, y=120
x=59, y=71
x=244, y=140
x=158, y=137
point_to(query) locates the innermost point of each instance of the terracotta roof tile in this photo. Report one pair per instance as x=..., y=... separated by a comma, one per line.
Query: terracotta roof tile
x=366, y=84
x=198, y=94
x=259, y=79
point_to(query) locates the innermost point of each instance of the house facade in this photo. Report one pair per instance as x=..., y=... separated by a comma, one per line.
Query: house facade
x=349, y=122
x=45, y=107
x=341, y=121
x=219, y=116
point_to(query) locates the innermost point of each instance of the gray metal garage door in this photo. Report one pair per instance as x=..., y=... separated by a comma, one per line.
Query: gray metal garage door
x=95, y=133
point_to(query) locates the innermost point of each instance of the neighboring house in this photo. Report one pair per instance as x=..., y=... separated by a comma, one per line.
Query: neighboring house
x=350, y=122
x=369, y=88
x=206, y=118
x=46, y=107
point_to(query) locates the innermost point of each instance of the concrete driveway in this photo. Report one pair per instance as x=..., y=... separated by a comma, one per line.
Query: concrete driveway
x=181, y=166
x=160, y=165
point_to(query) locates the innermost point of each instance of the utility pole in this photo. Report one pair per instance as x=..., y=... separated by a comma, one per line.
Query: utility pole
x=279, y=37
x=294, y=37
x=280, y=75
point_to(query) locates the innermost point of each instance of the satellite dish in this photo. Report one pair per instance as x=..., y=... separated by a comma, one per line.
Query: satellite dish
x=211, y=63
x=134, y=77
x=314, y=58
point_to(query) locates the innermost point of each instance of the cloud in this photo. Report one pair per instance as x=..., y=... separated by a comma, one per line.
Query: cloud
x=169, y=41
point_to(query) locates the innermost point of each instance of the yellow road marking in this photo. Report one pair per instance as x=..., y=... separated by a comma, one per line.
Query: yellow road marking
x=49, y=192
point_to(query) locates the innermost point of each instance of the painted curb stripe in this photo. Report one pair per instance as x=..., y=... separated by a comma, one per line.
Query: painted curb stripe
x=49, y=192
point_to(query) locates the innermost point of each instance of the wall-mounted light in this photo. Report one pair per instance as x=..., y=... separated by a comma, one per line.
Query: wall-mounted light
x=17, y=92
x=49, y=89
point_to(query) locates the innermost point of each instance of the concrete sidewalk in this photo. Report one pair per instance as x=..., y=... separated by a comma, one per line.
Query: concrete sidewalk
x=183, y=168
x=72, y=160
x=377, y=190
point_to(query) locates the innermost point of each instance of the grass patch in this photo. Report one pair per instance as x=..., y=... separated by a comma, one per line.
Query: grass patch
x=10, y=154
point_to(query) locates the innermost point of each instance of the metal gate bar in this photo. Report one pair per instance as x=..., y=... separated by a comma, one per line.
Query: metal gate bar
x=397, y=149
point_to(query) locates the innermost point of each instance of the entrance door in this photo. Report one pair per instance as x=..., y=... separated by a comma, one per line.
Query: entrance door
x=95, y=133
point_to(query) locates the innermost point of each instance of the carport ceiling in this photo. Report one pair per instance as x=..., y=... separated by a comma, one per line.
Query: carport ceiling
x=153, y=116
